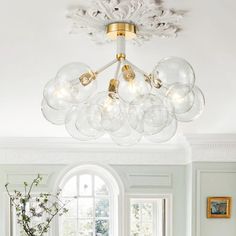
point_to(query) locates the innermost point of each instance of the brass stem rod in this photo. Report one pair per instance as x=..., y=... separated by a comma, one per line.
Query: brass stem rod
x=106, y=66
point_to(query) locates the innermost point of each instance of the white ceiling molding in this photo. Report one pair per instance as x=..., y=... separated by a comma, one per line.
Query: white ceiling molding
x=195, y=148
x=150, y=17
x=213, y=147
x=68, y=151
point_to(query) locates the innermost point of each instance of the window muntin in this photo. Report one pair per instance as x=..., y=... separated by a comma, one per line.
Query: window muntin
x=147, y=217
x=90, y=213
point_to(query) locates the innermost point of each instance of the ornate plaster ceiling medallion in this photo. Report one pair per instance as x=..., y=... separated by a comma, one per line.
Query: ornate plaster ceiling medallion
x=135, y=103
x=150, y=18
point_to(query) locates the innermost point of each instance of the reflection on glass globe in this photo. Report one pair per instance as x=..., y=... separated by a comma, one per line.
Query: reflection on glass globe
x=155, y=119
x=56, y=117
x=57, y=95
x=177, y=90
x=71, y=76
x=78, y=127
x=174, y=70
x=94, y=115
x=108, y=110
x=126, y=136
x=149, y=114
x=132, y=86
x=166, y=134
x=181, y=100
x=196, y=109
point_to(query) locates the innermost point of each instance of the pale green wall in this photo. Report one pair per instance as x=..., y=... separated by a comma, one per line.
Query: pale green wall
x=190, y=185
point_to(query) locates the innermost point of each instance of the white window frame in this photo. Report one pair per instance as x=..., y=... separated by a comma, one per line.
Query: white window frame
x=165, y=227
x=116, y=192
x=93, y=196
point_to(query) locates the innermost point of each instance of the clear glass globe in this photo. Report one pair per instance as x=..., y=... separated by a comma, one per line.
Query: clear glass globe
x=69, y=77
x=155, y=119
x=181, y=101
x=130, y=90
x=106, y=111
x=57, y=95
x=78, y=127
x=56, y=117
x=165, y=134
x=94, y=115
x=149, y=114
x=174, y=70
x=125, y=136
x=196, y=109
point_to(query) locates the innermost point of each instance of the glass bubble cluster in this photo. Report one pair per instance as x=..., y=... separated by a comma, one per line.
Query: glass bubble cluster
x=135, y=106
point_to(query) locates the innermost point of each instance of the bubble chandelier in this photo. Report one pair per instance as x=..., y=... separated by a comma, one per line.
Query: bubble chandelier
x=135, y=104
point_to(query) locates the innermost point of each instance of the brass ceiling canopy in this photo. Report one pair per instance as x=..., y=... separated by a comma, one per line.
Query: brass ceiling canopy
x=121, y=29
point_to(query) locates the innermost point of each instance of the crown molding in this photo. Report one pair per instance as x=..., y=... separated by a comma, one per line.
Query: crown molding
x=212, y=147
x=68, y=151
x=104, y=144
x=182, y=150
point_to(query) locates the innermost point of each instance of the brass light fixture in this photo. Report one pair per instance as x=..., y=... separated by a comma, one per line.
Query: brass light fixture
x=137, y=104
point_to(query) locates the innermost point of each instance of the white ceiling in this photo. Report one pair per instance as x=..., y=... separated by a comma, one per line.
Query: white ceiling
x=35, y=43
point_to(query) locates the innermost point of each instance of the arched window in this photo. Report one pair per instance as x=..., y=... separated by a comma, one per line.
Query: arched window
x=93, y=208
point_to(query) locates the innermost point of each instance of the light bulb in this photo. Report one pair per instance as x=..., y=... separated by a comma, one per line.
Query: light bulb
x=175, y=70
x=73, y=84
x=55, y=116
x=79, y=81
x=106, y=111
x=57, y=95
x=132, y=84
x=181, y=101
x=196, y=109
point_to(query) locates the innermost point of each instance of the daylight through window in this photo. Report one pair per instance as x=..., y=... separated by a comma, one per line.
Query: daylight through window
x=147, y=217
x=90, y=213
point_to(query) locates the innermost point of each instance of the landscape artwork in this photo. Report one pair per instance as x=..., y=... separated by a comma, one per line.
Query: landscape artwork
x=219, y=207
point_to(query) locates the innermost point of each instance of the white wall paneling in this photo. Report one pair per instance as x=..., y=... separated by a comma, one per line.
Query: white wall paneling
x=148, y=180
x=186, y=171
x=214, y=179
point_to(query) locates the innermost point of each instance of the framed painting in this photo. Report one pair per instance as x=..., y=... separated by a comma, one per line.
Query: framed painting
x=219, y=207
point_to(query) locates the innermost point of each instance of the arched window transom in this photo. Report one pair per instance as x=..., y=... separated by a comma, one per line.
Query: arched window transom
x=91, y=211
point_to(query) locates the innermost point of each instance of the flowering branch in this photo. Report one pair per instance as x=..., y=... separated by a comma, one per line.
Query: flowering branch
x=43, y=207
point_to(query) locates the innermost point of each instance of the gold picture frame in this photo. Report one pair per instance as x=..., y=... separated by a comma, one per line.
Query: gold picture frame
x=219, y=207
